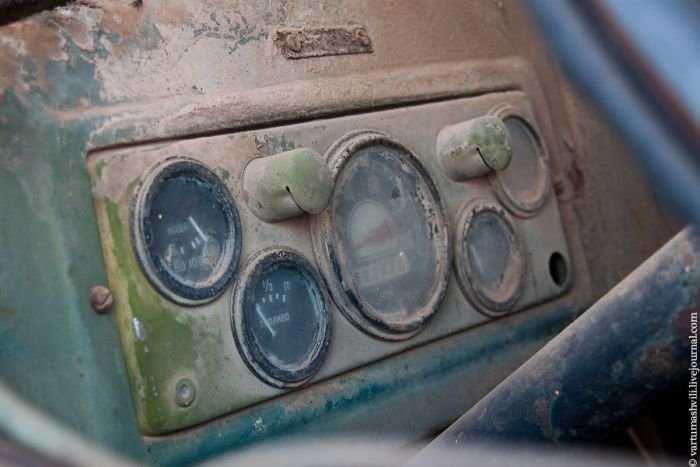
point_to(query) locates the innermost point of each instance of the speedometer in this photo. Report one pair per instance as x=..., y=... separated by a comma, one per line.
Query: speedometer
x=185, y=231
x=383, y=241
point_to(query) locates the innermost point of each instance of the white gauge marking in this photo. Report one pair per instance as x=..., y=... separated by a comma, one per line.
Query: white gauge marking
x=269, y=297
x=262, y=317
x=196, y=227
x=284, y=298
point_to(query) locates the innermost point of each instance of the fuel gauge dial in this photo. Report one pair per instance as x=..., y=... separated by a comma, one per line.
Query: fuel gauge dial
x=279, y=318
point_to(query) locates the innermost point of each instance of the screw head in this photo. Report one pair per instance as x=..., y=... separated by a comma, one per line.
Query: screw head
x=101, y=299
x=184, y=392
x=362, y=37
x=294, y=42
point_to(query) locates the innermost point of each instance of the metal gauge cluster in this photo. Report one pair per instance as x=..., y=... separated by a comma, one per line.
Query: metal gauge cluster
x=382, y=245
x=383, y=241
x=185, y=231
x=280, y=318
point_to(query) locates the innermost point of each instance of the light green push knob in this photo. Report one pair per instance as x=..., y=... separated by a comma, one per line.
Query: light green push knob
x=474, y=148
x=287, y=185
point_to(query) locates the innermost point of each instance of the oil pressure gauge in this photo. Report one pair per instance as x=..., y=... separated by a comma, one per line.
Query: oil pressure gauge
x=382, y=243
x=185, y=231
x=280, y=319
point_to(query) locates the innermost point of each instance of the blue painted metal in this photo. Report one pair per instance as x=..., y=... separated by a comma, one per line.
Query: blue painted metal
x=596, y=61
x=605, y=367
x=396, y=398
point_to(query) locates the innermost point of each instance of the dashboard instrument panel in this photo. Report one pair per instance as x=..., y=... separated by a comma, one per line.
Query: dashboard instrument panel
x=218, y=309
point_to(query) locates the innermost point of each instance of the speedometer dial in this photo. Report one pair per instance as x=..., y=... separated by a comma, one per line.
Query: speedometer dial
x=383, y=240
x=185, y=231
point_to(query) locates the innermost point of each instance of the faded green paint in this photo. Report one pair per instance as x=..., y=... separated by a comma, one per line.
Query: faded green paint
x=474, y=148
x=171, y=345
x=372, y=401
x=287, y=185
x=54, y=350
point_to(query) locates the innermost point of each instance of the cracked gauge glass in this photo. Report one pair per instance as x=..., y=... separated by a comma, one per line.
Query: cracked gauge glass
x=279, y=318
x=186, y=231
x=384, y=236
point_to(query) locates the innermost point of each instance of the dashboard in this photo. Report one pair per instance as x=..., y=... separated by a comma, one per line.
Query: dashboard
x=226, y=296
x=233, y=222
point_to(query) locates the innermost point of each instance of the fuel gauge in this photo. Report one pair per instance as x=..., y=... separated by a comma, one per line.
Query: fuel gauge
x=185, y=231
x=279, y=318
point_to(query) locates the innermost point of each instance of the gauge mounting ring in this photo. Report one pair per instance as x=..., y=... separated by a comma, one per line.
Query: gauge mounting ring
x=507, y=278
x=142, y=231
x=245, y=310
x=428, y=216
x=522, y=202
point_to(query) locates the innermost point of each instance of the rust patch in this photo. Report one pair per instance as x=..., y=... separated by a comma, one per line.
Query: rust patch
x=657, y=362
x=4, y=310
x=297, y=43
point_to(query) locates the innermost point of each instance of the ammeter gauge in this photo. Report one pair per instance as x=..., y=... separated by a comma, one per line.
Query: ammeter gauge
x=185, y=231
x=280, y=319
x=383, y=241
x=489, y=259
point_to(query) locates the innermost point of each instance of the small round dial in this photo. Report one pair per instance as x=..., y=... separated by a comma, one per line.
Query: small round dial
x=524, y=185
x=489, y=259
x=280, y=320
x=185, y=230
x=383, y=239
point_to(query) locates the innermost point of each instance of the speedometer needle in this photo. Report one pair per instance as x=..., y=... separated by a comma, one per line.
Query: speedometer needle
x=379, y=234
x=196, y=227
x=262, y=317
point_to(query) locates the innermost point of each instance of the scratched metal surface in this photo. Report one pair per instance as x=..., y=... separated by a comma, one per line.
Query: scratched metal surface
x=94, y=75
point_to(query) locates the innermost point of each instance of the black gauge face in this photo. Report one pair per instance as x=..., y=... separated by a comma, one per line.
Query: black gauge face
x=524, y=184
x=187, y=228
x=388, y=239
x=283, y=327
x=489, y=259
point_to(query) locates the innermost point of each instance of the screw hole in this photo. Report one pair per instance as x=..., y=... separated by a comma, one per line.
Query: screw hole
x=558, y=269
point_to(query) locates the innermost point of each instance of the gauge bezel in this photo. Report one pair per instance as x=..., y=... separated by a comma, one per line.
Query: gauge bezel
x=346, y=299
x=471, y=287
x=161, y=280
x=516, y=205
x=253, y=356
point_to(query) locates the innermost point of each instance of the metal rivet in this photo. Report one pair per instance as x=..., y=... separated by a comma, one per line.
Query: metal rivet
x=101, y=299
x=184, y=392
x=362, y=37
x=294, y=42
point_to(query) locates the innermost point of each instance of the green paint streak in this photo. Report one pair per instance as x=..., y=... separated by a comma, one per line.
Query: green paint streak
x=223, y=173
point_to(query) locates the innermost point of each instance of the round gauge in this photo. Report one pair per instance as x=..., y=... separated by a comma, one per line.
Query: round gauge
x=489, y=260
x=185, y=231
x=524, y=185
x=279, y=318
x=383, y=241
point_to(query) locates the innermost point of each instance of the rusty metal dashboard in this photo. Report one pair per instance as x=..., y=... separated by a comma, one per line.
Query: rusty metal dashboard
x=397, y=229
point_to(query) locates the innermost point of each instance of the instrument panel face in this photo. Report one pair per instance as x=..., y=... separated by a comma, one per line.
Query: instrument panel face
x=218, y=310
x=384, y=237
x=185, y=231
x=280, y=318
